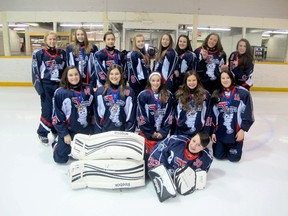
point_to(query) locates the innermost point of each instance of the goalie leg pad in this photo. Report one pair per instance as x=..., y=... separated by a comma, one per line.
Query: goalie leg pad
x=163, y=182
x=108, y=145
x=109, y=174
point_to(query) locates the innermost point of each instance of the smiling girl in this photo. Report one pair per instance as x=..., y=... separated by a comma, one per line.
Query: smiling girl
x=154, y=111
x=72, y=112
x=115, y=104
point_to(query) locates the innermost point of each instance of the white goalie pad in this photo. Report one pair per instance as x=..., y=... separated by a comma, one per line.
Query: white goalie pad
x=109, y=174
x=108, y=145
x=187, y=180
x=162, y=182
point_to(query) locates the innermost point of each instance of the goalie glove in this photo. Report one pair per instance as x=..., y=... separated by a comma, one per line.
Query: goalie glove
x=162, y=182
x=187, y=180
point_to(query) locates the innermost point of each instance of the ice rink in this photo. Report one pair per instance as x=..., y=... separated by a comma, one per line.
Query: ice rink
x=31, y=184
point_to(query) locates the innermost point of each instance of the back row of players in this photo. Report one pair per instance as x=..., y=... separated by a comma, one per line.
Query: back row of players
x=105, y=90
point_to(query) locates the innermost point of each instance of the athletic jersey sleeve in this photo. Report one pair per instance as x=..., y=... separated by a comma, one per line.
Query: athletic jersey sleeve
x=36, y=78
x=130, y=110
x=62, y=108
x=142, y=114
x=247, y=115
x=168, y=117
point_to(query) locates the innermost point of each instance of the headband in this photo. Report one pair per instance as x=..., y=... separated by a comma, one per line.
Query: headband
x=154, y=73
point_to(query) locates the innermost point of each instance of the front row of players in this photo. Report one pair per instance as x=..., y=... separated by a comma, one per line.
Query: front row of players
x=113, y=107
x=189, y=118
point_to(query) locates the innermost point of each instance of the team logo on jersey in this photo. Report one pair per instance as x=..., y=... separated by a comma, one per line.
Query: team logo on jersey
x=153, y=162
x=102, y=75
x=141, y=120
x=179, y=161
x=198, y=163
x=133, y=79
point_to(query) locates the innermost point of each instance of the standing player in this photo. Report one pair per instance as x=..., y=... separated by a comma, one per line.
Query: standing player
x=78, y=54
x=104, y=58
x=138, y=66
x=186, y=60
x=211, y=58
x=73, y=109
x=48, y=65
x=241, y=64
x=166, y=61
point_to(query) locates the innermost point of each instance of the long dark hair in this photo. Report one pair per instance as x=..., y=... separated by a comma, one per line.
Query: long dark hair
x=220, y=89
x=108, y=82
x=189, y=47
x=183, y=94
x=64, y=79
x=218, y=45
x=163, y=50
x=247, y=55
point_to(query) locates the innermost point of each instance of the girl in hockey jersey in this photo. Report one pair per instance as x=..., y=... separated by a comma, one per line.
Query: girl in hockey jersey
x=241, y=64
x=138, y=68
x=104, y=58
x=166, y=61
x=232, y=117
x=115, y=104
x=191, y=112
x=72, y=114
x=78, y=54
x=210, y=59
x=48, y=65
x=154, y=111
x=176, y=151
x=186, y=60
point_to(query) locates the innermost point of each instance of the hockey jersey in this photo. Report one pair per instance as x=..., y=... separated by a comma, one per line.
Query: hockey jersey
x=232, y=113
x=190, y=122
x=154, y=115
x=47, y=67
x=83, y=62
x=113, y=111
x=138, y=71
x=102, y=60
x=72, y=110
x=243, y=75
x=173, y=153
x=209, y=69
x=167, y=67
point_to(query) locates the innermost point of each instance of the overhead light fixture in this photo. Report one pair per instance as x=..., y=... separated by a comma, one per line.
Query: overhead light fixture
x=19, y=29
x=276, y=32
x=210, y=28
x=81, y=25
x=16, y=25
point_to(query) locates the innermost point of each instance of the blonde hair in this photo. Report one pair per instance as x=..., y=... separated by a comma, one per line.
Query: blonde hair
x=87, y=44
x=49, y=33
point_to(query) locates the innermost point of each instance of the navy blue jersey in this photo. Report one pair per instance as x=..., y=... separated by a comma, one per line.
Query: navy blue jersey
x=232, y=113
x=47, y=67
x=103, y=59
x=114, y=111
x=153, y=115
x=209, y=69
x=243, y=74
x=82, y=61
x=190, y=121
x=173, y=153
x=138, y=71
x=72, y=110
x=167, y=67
